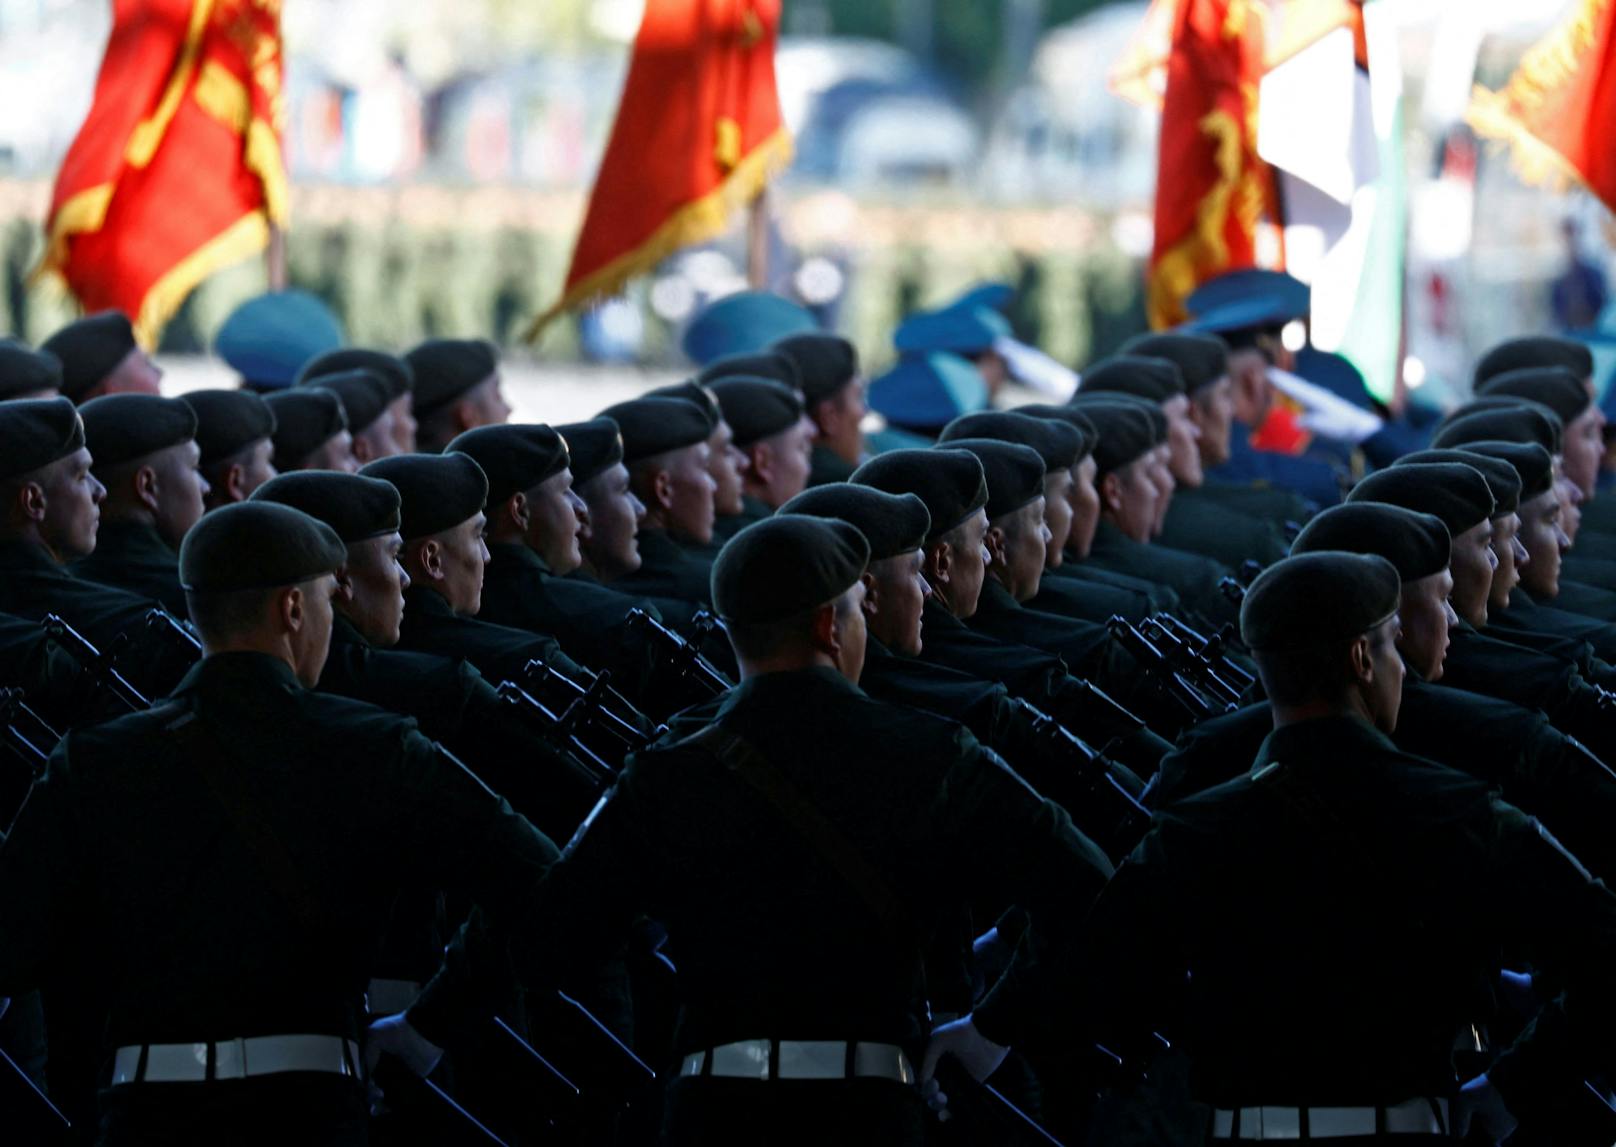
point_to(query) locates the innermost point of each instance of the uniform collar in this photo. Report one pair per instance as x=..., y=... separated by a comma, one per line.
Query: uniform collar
x=345, y=632
x=18, y=554
x=237, y=667
x=136, y=539
x=791, y=684
x=935, y=616
x=996, y=598
x=419, y=599
x=1323, y=738
x=518, y=554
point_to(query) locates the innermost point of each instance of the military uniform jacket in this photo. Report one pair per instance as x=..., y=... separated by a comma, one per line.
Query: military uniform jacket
x=1344, y=887
x=1071, y=596
x=32, y=585
x=981, y=706
x=1516, y=750
x=589, y=620
x=499, y=652
x=1588, y=600
x=667, y=569
x=1318, y=482
x=827, y=466
x=1194, y=578
x=1527, y=616
x=133, y=556
x=129, y=855
x=753, y=509
x=1199, y=522
x=1158, y=598
x=773, y=940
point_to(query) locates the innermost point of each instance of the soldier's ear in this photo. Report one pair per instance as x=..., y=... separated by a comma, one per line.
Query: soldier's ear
x=146, y=487
x=235, y=482
x=517, y=510
x=1362, y=659
x=939, y=563
x=662, y=489
x=345, y=586
x=760, y=461
x=826, y=637
x=30, y=501
x=431, y=553
x=994, y=541
x=1110, y=488
x=872, y=594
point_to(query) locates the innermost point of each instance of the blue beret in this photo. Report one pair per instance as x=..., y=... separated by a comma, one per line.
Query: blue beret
x=743, y=323
x=1336, y=374
x=992, y=295
x=927, y=392
x=1282, y=296
x=268, y=340
x=960, y=330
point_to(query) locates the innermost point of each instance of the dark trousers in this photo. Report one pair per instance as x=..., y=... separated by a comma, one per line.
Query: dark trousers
x=706, y=1112
x=308, y=1109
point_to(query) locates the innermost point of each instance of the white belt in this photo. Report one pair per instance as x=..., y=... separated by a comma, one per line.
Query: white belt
x=235, y=1059
x=801, y=1059
x=1413, y=1117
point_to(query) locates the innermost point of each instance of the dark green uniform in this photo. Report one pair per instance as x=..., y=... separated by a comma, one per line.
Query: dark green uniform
x=1194, y=578
x=587, y=619
x=686, y=840
x=668, y=569
x=32, y=585
x=133, y=556
x=1344, y=887
x=1588, y=600
x=1526, y=615
x=827, y=466
x=1158, y=598
x=1090, y=600
x=726, y=526
x=129, y=865
x=1200, y=522
x=1518, y=751
x=499, y=652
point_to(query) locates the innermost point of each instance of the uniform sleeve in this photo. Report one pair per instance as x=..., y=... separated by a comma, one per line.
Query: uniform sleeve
x=1565, y=921
x=41, y=889
x=1569, y=789
x=1018, y=848
x=571, y=921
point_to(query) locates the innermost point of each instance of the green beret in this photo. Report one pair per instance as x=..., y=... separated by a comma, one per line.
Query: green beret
x=1533, y=465
x=394, y=372
x=515, y=457
x=1152, y=379
x=356, y=507
x=1125, y=433
x=1014, y=474
x=1201, y=359
x=1318, y=598
x=1454, y=492
x=1501, y=419
x=438, y=491
x=1417, y=544
x=1070, y=416
x=784, y=566
x=35, y=432
x=652, y=426
x=756, y=408
x=365, y=396
x=594, y=447
x=24, y=370
x=825, y=363
x=763, y=364
x=90, y=349
x=1535, y=350
x=257, y=545
x=893, y=524
x=1058, y=443
x=950, y=482
x=119, y=428
x=1553, y=386
x=1502, y=478
x=691, y=391
x=446, y=368
x=305, y=420
x=229, y=421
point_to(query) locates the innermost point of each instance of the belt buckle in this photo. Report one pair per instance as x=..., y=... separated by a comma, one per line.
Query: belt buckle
x=230, y=1058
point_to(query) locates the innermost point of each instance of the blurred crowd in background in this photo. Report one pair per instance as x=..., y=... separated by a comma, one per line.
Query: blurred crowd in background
x=441, y=154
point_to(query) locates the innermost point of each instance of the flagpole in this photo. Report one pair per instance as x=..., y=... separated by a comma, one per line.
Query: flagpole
x=275, y=258
x=757, y=242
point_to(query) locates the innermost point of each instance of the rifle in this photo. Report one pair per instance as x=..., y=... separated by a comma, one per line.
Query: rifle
x=179, y=640
x=422, y=1112
x=1214, y=650
x=1082, y=780
x=30, y=1116
x=699, y=680
x=613, y=727
x=1195, y=704
x=593, y=771
x=27, y=734
x=1168, y=635
x=98, y=667
x=980, y=1113
x=1232, y=590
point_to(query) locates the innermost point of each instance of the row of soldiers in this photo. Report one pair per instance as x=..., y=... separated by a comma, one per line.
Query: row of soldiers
x=848, y=746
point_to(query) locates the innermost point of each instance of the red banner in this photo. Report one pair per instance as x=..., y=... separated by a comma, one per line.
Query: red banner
x=698, y=134
x=177, y=170
x=1211, y=188
x=1559, y=108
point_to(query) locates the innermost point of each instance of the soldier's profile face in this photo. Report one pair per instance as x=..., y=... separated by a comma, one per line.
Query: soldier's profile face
x=612, y=543
x=181, y=491
x=72, y=506
x=1212, y=408
x=1137, y=497
x=900, y=597
x=1544, y=542
x=1511, y=555
x=335, y=453
x=970, y=565
x=404, y=425
x=1473, y=564
x=726, y=462
x=312, y=642
x=1057, y=515
x=378, y=582
x=1585, y=449
x=689, y=508
x=1426, y=616
x=464, y=554
x=554, y=522
x=1026, y=546
x=1184, y=442
x=1386, y=694
x=1085, y=500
